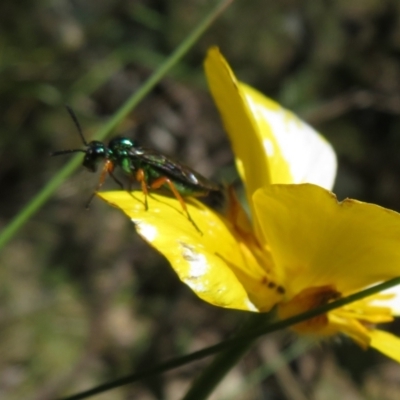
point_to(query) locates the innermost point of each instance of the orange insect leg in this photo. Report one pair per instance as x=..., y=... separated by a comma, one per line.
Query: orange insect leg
x=164, y=180
x=108, y=168
x=141, y=178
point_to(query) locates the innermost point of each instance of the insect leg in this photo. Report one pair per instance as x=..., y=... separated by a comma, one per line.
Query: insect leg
x=141, y=178
x=164, y=180
x=116, y=180
x=107, y=169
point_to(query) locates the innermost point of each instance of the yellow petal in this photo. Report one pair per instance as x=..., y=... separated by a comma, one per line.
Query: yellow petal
x=386, y=343
x=317, y=241
x=390, y=298
x=351, y=327
x=211, y=263
x=271, y=144
x=239, y=123
x=365, y=311
x=290, y=141
x=241, y=127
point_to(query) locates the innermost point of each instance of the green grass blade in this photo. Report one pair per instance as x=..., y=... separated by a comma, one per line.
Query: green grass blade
x=33, y=206
x=205, y=384
x=243, y=341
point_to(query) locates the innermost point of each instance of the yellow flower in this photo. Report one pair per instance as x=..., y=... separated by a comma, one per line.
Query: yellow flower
x=303, y=247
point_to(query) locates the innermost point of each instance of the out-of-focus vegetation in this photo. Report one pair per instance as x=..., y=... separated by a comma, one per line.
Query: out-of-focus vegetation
x=83, y=299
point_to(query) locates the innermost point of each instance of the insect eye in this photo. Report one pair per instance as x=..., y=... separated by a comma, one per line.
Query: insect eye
x=94, y=154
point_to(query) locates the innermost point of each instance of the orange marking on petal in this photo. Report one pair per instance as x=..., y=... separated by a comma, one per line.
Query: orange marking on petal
x=308, y=299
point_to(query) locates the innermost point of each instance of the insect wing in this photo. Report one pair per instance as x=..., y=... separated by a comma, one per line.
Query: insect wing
x=175, y=170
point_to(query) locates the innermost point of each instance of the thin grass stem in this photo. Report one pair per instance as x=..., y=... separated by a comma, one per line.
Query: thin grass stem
x=237, y=346
x=38, y=201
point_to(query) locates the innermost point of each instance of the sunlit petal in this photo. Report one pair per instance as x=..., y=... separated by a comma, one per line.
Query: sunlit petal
x=390, y=298
x=318, y=241
x=288, y=140
x=386, y=343
x=250, y=154
x=271, y=144
x=213, y=262
x=239, y=122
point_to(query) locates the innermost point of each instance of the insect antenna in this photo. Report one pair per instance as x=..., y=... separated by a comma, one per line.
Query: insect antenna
x=60, y=152
x=77, y=124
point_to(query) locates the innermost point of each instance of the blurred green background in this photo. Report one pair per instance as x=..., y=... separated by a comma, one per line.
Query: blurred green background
x=83, y=299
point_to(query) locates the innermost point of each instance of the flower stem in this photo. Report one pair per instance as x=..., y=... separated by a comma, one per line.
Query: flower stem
x=204, y=385
x=248, y=334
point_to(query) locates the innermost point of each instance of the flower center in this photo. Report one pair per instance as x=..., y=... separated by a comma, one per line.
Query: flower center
x=263, y=286
x=306, y=300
